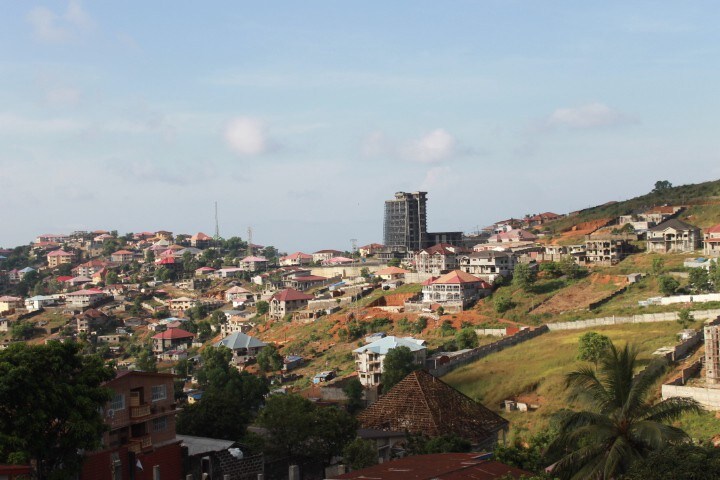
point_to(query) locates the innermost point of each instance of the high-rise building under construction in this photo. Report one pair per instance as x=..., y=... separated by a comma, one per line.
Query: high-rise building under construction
x=406, y=221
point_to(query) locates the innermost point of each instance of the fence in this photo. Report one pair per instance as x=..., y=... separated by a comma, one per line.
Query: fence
x=644, y=318
x=485, y=350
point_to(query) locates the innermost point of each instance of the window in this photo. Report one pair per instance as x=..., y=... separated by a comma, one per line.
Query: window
x=158, y=393
x=118, y=402
x=159, y=424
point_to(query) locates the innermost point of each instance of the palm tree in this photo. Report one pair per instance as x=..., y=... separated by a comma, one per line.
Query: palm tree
x=622, y=426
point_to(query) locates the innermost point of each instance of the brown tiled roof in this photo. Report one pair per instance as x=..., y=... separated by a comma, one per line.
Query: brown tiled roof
x=291, y=294
x=422, y=403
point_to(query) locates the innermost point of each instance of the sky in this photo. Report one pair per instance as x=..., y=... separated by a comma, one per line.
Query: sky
x=301, y=118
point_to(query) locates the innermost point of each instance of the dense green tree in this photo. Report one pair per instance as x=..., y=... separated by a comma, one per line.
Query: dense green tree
x=149, y=256
x=570, y=269
x=398, y=364
x=21, y=330
x=699, y=280
x=269, y=360
x=678, y=462
x=466, y=338
x=50, y=406
x=592, y=346
x=146, y=361
x=422, y=445
x=685, y=317
x=111, y=278
x=360, y=454
x=262, y=307
x=662, y=186
x=297, y=429
x=502, y=303
x=621, y=426
x=532, y=454
x=524, y=276
x=353, y=389
x=668, y=285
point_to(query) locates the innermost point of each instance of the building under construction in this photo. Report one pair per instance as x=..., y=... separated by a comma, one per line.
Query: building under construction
x=405, y=226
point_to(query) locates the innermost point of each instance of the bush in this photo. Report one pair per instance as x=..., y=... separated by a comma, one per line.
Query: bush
x=503, y=303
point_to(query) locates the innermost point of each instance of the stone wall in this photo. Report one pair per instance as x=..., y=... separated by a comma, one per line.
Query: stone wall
x=707, y=397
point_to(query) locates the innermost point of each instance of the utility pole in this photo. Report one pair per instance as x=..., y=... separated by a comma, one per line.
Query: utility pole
x=217, y=224
x=250, y=244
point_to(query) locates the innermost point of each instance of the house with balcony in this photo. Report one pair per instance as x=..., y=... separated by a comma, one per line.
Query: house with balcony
x=200, y=240
x=122, y=256
x=488, y=265
x=369, y=359
x=89, y=268
x=141, y=430
x=85, y=298
x=370, y=249
x=391, y=273
x=244, y=347
x=253, y=264
x=238, y=294
x=606, y=248
x=711, y=242
x=438, y=259
x=59, y=257
x=454, y=291
x=172, y=339
x=673, y=236
x=305, y=282
x=288, y=301
x=297, y=258
x=323, y=255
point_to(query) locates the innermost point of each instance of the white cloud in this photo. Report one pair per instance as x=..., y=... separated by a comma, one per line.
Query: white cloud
x=376, y=144
x=587, y=116
x=52, y=27
x=246, y=136
x=436, y=177
x=433, y=147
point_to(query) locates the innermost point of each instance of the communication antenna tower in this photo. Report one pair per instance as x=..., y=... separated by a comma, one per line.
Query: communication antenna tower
x=217, y=225
x=250, y=244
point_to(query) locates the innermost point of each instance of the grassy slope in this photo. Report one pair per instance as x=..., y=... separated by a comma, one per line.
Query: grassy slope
x=539, y=365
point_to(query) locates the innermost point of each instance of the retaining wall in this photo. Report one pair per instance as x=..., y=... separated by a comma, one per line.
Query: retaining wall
x=644, y=318
x=707, y=397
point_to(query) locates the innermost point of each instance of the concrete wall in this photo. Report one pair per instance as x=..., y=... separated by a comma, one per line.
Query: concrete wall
x=707, y=397
x=485, y=350
x=345, y=270
x=708, y=297
x=644, y=318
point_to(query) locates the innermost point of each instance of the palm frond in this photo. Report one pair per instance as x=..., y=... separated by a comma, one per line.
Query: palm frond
x=617, y=367
x=654, y=435
x=584, y=463
x=620, y=456
x=641, y=384
x=671, y=409
x=585, y=383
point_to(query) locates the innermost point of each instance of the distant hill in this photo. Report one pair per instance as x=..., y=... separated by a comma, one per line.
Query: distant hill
x=702, y=200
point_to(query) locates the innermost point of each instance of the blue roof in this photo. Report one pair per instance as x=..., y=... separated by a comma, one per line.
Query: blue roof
x=27, y=270
x=384, y=345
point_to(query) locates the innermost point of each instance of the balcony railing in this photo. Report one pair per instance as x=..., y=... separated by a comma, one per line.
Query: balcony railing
x=139, y=444
x=140, y=411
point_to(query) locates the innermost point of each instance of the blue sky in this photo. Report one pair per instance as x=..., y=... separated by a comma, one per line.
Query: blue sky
x=301, y=118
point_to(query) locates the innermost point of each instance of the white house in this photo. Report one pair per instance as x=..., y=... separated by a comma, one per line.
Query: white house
x=369, y=359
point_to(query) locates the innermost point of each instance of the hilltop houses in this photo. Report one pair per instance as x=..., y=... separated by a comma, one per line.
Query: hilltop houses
x=297, y=258
x=673, y=236
x=438, y=259
x=711, y=241
x=59, y=257
x=288, y=301
x=454, y=291
x=254, y=264
x=488, y=264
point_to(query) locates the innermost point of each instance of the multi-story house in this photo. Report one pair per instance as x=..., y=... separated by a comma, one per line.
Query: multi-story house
x=170, y=339
x=244, y=347
x=88, y=269
x=238, y=293
x=305, y=282
x=141, y=431
x=59, y=257
x=9, y=303
x=200, y=240
x=122, y=256
x=287, y=301
x=297, y=258
x=711, y=242
x=254, y=264
x=512, y=236
x=673, y=236
x=369, y=359
x=606, y=249
x=370, y=249
x=85, y=298
x=455, y=290
x=488, y=264
x=323, y=255
x=438, y=259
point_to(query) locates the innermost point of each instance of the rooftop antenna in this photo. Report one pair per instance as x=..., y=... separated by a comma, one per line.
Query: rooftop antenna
x=217, y=225
x=249, y=242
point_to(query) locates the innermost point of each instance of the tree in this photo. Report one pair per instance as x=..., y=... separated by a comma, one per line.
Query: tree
x=269, y=360
x=262, y=307
x=678, y=462
x=146, y=361
x=668, y=285
x=393, y=262
x=621, y=425
x=111, y=278
x=685, y=317
x=592, y=346
x=422, y=445
x=502, y=303
x=21, y=331
x=524, y=276
x=51, y=398
x=570, y=269
x=360, y=454
x=662, y=186
x=353, y=389
x=398, y=364
x=466, y=338
x=297, y=429
x=657, y=266
x=699, y=280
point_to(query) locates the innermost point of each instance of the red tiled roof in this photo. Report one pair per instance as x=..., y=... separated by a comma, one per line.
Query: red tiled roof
x=457, y=276
x=123, y=252
x=296, y=255
x=89, y=291
x=328, y=251
x=64, y=278
x=173, y=334
x=290, y=294
x=713, y=229
x=59, y=253
x=253, y=259
x=443, y=249
x=201, y=236
x=205, y=269
x=310, y=278
x=166, y=261
x=392, y=271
